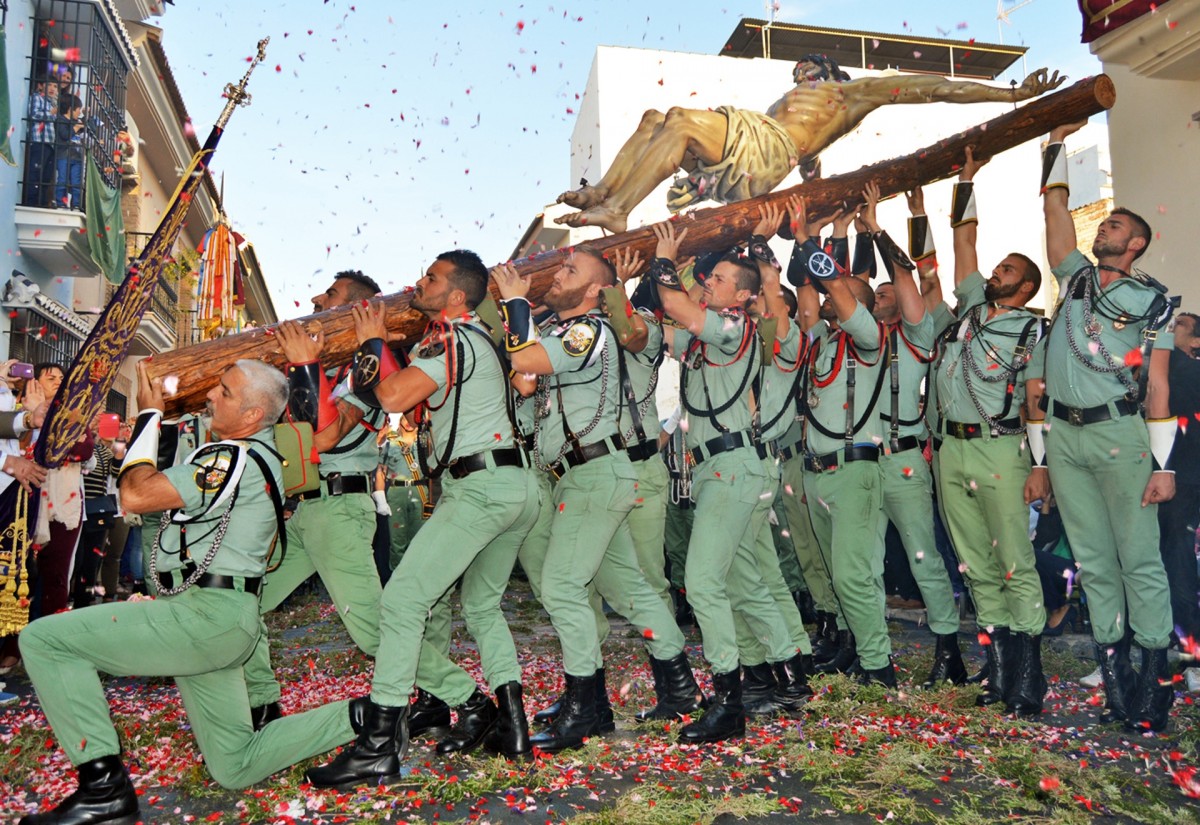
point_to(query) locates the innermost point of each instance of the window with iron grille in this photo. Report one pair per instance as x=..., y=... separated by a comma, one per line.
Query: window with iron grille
x=37, y=338
x=76, y=103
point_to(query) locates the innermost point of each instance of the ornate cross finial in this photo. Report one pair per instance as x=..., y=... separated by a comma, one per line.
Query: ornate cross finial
x=237, y=95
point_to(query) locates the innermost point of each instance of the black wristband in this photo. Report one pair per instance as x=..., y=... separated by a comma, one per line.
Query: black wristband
x=662, y=270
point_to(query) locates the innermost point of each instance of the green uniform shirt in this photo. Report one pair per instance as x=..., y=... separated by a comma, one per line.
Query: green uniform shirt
x=725, y=357
x=642, y=368
x=478, y=396
x=991, y=349
x=1068, y=380
x=356, y=453
x=942, y=317
x=911, y=344
x=392, y=455
x=829, y=409
x=582, y=352
x=777, y=398
x=243, y=550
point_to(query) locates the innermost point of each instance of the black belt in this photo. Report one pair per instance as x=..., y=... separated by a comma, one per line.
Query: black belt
x=957, y=429
x=407, y=482
x=909, y=442
x=584, y=453
x=1079, y=416
x=640, y=452
x=788, y=453
x=337, y=484
x=820, y=463
x=215, y=580
x=463, y=466
x=721, y=444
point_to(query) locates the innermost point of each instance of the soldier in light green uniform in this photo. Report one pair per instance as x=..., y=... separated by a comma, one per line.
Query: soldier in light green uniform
x=332, y=531
x=905, y=476
x=577, y=438
x=204, y=623
x=731, y=487
x=489, y=502
x=843, y=434
x=680, y=512
x=406, y=493
x=989, y=363
x=1110, y=467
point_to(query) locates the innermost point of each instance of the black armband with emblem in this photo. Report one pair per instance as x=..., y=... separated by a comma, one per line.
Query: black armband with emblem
x=760, y=250
x=662, y=270
x=839, y=248
x=310, y=398
x=864, y=256
x=892, y=253
x=373, y=363
x=810, y=261
x=518, y=321
x=962, y=206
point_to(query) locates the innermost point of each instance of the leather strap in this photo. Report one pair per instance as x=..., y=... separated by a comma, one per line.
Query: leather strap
x=463, y=466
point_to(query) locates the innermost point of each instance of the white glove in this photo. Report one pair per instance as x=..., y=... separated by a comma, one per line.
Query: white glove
x=381, y=503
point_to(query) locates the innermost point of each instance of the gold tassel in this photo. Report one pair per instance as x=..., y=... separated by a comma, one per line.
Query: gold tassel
x=14, y=578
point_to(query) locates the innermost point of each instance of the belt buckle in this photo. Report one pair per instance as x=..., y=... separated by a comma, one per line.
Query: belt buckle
x=333, y=482
x=958, y=429
x=1075, y=416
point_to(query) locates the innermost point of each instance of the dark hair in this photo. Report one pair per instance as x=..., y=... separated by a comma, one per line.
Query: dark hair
x=1032, y=273
x=789, y=298
x=610, y=271
x=862, y=291
x=469, y=274
x=1191, y=316
x=747, y=276
x=830, y=70
x=45, y=366
x=364, y=286
x=1141, y=229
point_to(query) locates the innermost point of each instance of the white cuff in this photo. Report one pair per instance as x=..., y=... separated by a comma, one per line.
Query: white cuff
x=1162, y=440
x=1035, y=434
x=1054, y=167
x=143, y=444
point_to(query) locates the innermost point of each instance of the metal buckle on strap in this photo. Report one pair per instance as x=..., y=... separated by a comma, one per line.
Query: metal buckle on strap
x=1075, y=416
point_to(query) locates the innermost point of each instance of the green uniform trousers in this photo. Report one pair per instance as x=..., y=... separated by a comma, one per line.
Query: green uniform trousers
x=781, y=534
x=405, y=520
x=200, y=637
x=331, y=536
x=751, y=650
x=845, y=507
x=474, y=532
x=813, y=566
x=732, y=493
x=908, y=503
x=590, y=542
x=981, y=486
x=1099, y=472
x=677, y=536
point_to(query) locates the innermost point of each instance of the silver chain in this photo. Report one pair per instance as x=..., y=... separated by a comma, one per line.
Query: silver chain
x=542, y=398
x=970, y=366
x=1091, y=328
x=202, y=568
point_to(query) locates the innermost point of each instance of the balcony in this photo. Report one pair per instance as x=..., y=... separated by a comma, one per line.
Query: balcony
x=158, y=330
x=56, y=239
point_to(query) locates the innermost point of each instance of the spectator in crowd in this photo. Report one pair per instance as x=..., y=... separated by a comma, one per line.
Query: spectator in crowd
x=39, y=144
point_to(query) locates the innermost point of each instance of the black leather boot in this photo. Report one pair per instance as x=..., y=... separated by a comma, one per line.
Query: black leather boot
x=684, y=616
x=428, y=714
x=806, y=605
x=1028, y=689
x=758, y=690
x=510, y=735
x=548, y=714
x=947, y=662
x=605, y=722
x=476, y=718
x=824, y=640
x=262, y=715
x=676, y=689
x=1153, y=695
x=844, y=659
x=725, y=717
x=577, y=720
x=885, y=675
x=1120, y=680
x=1001, y=665
x=376, y=754
x=105, y=794
x=792, y=689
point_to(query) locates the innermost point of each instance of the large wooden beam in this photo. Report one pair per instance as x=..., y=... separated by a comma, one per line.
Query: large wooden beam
x=197, y=367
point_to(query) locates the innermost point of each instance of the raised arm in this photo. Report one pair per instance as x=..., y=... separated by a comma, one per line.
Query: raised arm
x=1060, y=228
x=531, y=358
x=769, y=218
x=677, y=305
x=922, y=250
x=964, y=219
x=908, y=297
x=398, y=390
x=869, y=93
